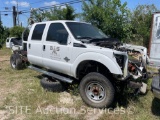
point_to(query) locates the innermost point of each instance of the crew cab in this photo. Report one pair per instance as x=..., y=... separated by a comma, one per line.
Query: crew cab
x=71, y=50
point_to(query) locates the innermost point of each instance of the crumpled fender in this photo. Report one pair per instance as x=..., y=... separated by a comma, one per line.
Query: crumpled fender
x=111, y=64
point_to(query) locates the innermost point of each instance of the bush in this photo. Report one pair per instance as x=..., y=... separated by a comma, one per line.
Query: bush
x=16, y=31
x=1, y=43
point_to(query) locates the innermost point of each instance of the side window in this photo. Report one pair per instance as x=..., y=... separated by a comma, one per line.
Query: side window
x=38, y=32
x=57, y=33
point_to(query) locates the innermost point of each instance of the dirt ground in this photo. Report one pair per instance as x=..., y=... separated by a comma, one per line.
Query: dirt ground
x=23, y=98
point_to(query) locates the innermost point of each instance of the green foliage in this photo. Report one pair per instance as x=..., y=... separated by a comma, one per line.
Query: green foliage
x=16, y=31
x=1, y=35
x=6, y=33
x=56, y=13
x=1, y=29
x=38, y=15
x=109, y=15
x=141, y=21
x=69, y=13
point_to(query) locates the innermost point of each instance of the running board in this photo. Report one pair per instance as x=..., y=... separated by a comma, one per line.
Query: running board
x=59, y=77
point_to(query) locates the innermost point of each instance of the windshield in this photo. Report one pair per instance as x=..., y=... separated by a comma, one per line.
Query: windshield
x=85, y=31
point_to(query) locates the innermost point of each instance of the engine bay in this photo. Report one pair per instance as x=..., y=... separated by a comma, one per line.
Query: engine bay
x=136, y=64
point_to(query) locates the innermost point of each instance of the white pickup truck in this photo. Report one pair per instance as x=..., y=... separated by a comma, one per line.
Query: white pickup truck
x=70, y=50
x=13, y=41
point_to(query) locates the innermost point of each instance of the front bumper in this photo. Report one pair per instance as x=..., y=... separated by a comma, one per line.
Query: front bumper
x=156, y=86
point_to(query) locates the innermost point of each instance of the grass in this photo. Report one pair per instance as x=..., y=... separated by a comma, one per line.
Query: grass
x=22, y=97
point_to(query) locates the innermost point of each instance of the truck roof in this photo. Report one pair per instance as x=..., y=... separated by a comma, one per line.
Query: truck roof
x=12, y=37
x=61, y=21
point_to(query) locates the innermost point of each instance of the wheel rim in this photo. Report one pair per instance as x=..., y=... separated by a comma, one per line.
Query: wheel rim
x=13, y=63
x=95, y=92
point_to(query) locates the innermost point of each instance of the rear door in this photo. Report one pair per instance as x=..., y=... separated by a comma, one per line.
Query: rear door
x=34, y=46
x=56, y=49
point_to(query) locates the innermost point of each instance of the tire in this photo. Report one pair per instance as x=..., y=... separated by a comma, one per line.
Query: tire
x=88, y=90
x=51, y=85
x=16, y=61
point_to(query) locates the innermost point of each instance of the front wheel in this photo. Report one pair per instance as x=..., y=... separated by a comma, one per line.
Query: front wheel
x=96, y=90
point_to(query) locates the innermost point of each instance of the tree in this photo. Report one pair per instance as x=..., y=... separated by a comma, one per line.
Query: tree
x=56, y=13
x=110, y=16
x=1, y=30
x=38, y=15
x=1, y=35
x=141, y=20
x=69, y=13
x=6, y=33
x=16, y=31
x=59, y=13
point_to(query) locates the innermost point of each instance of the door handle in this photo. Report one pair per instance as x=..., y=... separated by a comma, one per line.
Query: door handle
x=29, y=46
x=44, y=47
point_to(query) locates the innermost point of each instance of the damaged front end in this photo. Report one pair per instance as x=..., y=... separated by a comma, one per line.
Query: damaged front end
x=137, y=56
x=132, y=64
x=136, y=59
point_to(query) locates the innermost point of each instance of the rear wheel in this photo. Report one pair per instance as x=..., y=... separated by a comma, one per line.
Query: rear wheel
x=16, y=61
x=96, y=90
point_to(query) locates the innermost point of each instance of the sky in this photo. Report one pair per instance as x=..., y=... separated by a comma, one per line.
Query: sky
x=28, y=4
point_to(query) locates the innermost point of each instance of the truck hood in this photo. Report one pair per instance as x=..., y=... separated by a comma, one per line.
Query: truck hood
x=108, y=51
x=106, y=42
x=109, y=44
